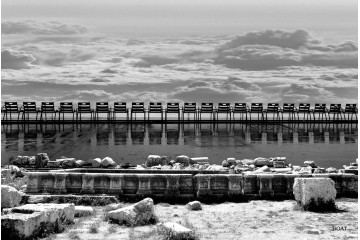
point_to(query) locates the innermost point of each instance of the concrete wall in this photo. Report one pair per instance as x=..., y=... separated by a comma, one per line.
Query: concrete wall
x=201, y=186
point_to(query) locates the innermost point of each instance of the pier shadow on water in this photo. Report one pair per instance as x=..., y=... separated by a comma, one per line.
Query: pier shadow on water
x=328, y=144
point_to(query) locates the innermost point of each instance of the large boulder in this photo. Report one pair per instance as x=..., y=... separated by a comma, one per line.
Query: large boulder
x=164, y=160
x=41, y=160
x=315, y=194
x=194, y=206
x=108, y=162
x=79, y=163
x=153, y=160
x=260, y=161
x=34, y=220
x=5, y=175
x=96, y=162
x=183, y=160
x=19, y=160
x=10, y=197
x=175, y=231
x=140, y=213
x=68, y=162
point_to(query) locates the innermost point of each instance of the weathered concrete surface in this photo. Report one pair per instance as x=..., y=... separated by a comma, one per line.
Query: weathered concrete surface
x=175, y=231
x=315, y=194
x=82, y=211
x=34, y=220
x=10, y=197
x=140, y=213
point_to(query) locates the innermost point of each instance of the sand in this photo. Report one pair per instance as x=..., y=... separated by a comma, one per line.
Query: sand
x=251, y=220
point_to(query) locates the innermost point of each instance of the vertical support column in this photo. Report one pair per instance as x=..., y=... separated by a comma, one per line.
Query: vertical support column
x=172, y=185
x=280, y=138
x=296, y=137
x=264, y=138
x=250, y=187
x=87, y=183
x=116, y=184
x=290, y=179
x=235, y=187
x=265, y=185
x=144, y=185
x=203, y=185
x=59, y=182
x=33, y=182
x=311, y=138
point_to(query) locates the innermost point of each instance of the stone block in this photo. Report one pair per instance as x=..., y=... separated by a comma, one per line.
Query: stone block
x=175, y=231
x=53, y=164
x=194, y=206
x=183, y=160
x=259, y=162
x=108, y=162
x=6, y=175
x=32, y=220
x=41, y=160
x=315, y=194
x=10, y=197
x=96, y=162
x=141, y=213
x=79, y=163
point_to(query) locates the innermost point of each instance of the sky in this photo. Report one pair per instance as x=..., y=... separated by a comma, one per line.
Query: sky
x=167, y=50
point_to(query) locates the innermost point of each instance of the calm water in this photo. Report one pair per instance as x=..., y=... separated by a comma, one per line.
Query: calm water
x=329, y=145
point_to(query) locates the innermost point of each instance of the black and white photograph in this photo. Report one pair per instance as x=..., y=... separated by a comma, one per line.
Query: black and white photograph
x=191, y=119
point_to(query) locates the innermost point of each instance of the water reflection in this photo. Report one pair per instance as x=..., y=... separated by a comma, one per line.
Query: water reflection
x=122, y=140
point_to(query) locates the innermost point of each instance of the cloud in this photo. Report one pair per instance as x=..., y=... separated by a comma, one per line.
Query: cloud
x=148, y=61
x=41, y=28
x=87, y=95
x=99, y=80
x=273, y=49
x=108, y=70
x=11, y=59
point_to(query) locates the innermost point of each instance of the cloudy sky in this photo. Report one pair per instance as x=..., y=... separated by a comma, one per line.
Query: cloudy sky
x=168, y=50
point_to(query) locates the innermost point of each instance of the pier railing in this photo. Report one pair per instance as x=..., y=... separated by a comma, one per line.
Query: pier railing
x=103, y=112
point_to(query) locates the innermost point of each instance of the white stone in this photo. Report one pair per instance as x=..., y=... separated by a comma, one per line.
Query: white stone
x=307, y=190
x=140, y=213
x=175, y=231
x=96, y=162
x=10, y=197
x=183, y=159
x=82, y=211
x=79, y=163
x=26, y=221
x=260, y=161
x=107, y=162
x=194, y=206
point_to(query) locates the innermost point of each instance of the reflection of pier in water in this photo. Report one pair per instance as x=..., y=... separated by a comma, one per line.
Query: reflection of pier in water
x=25, y=137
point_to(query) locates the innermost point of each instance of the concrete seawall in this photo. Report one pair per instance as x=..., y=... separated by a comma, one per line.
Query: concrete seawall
x=208, y=187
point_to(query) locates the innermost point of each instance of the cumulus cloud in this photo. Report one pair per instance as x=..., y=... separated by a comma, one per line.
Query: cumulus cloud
x=42, y=28
x=99, y=80
x=11, y=59
x=148, y=61
x=108, y=70
x=272, y=49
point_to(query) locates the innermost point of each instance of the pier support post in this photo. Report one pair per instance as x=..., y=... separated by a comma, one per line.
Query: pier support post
x=116, y=184
x=87, y=183
x=144, y=185
x=33, y=183
x=265, y=185
x=59, y=182
x=203, y=185
x=172, y=185
x=235, y=185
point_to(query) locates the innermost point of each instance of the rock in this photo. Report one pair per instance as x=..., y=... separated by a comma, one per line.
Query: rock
x=166, y=167
x=319, y=170
x=108, y=162
x=225, y=163
x=199, y=160
x=68, y=163
x=309, y=163
x=41, y=160
x=19, y=160
x=53, y=164
x=305, y=170
x=82, y=211
x=238, y=162
x=354, y=164
x=194, y=206
x=263, y=169
x=331, y=170
x=164, y=160
x=231, y=161
x=153, y=160
x=315, y=194
x=259, y=162
x=177, y=166
x=175, y=231
x=34, y=220
x=247, y=162
x=96, y=162
x=183, y=160
x=279, y=164
x=79, y=163
x=10, y=197
x=14, y=169
x=32, y=160
x=140, y=213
